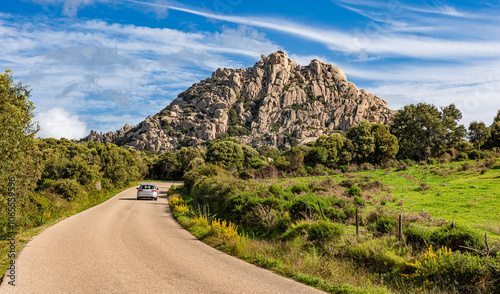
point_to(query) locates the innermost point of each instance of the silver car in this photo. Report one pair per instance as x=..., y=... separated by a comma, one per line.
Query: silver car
x=147, y=191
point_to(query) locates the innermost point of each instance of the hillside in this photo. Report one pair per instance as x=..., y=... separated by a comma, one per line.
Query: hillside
x=276, y=102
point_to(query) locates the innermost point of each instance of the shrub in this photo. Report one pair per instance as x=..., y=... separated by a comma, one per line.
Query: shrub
x=423, y=187
x=462, y=156
x=419, y=238
x=281, y=163
x=447, y=236
x=314, y=231
x=226, y=153
x=267, y=172
x=378, y=254
x=466, y=273
x=247, y=174
x=316, y=189
x=275, y=190
x=490, y=162
x=354, y=190
x=347, y=183
x=298, y=207
x=455, y=237
x=367, y=167
x=69, y=188
x=299, y=188
x=385, y=225
x=222, y=228
x=181, y=209
x=358, y=201
x=431, y=161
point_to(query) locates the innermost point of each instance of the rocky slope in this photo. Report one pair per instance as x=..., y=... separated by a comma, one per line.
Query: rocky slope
x=276, y=102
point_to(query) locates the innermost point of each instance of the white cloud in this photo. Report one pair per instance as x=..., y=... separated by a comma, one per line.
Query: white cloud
x=71, y=7
x=370, y=42
x=96, y=69
x=59, y=123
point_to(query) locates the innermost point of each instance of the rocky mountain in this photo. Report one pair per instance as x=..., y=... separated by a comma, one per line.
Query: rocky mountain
x=276, y=102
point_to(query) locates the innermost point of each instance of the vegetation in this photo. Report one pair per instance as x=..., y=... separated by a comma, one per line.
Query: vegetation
x=293, y=211
x=305, y=226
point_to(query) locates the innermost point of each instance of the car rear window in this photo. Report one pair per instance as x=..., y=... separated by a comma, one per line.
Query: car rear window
x=147, y=187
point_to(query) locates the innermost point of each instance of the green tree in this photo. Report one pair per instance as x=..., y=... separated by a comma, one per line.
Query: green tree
x=18, y=156
x=166, y=167
x=497, y=117
x=295, y=156
x=494, y=140
x=478, y=134
x=269, y=152
x=424, y=131
x=316, y=155
x=334, y=144
x=251, y=157
x=363, y=142
x=185, y=155
x=226, y=153
x=453, y=132
x=386, y=144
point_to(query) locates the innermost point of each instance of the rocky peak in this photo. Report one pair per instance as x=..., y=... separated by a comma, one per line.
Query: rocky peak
x=276, y=102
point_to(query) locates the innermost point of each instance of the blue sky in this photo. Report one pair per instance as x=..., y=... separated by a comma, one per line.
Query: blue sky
x=98, y=64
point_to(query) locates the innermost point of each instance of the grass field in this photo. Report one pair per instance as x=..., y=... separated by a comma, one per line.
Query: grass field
x=462, y=191
x=322, y=244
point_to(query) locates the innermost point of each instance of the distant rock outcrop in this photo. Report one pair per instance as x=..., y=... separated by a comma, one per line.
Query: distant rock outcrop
x=276, y=102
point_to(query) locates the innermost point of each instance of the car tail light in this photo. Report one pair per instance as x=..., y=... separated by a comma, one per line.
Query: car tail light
x=153, y=190
x=140, y=190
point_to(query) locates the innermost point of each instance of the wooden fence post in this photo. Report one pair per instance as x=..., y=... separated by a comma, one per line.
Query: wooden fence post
x=401, y=226
x=357, y=221
x=306, y=206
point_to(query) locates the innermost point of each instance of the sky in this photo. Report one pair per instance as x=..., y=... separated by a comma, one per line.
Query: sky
x=99, y=64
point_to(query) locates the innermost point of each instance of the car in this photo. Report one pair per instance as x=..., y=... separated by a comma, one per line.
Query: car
x=147, y=191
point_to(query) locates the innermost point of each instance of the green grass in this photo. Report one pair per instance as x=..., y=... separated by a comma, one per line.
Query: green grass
x=468, y=197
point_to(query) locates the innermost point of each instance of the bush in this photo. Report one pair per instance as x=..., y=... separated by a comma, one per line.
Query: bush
x=431, y=161
x=267, y=172
x=316, y=155
x=419, y=238
x=447, y=236
x=69, y=188
x=316, y=189
x=354, y=190
x=385, y=225
x=466, y=273
x=226, y=153
x=462, y=156
x=298, y=207
x=314, y=231
x=358, y=201
x=455, y=237
x=276, y=190
x=296, y=189
x=378, y=254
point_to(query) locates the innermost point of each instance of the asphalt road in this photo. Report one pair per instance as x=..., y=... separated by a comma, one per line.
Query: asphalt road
x=128, y=246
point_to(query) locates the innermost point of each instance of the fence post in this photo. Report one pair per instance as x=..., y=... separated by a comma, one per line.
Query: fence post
x=306, y=205
x=401, y=226
x=357, y=221
x=453, y=224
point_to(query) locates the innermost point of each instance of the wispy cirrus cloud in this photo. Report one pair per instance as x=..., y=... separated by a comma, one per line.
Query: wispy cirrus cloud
x=372, y=43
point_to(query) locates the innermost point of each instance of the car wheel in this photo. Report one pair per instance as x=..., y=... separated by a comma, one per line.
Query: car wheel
x=156, y=198
x=138, y=198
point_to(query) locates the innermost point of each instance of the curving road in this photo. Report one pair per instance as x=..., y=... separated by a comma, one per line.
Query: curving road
x=129, y=246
